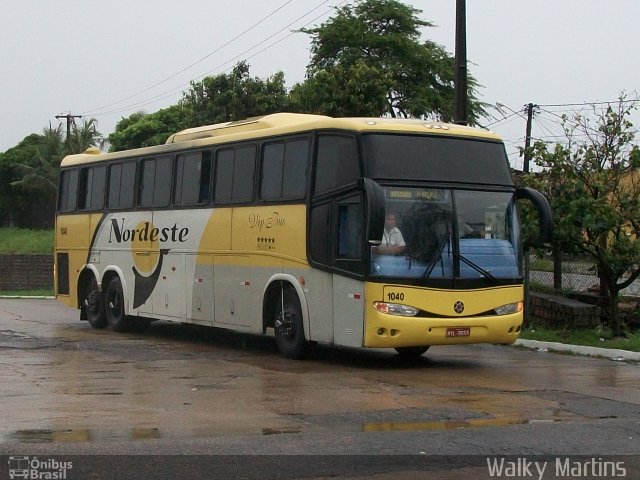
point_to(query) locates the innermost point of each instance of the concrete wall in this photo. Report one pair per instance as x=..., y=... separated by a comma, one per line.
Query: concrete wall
x=26, y=272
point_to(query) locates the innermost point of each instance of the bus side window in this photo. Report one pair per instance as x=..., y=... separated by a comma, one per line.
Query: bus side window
x=284, y=170
x=296, y=166
x=121, y=185
x=349, y=229
x=224, y=176
x=155, y=182
x=193, y=177
x=235, y=173
x=337, y=163
x=68, y=191
x=92, y=188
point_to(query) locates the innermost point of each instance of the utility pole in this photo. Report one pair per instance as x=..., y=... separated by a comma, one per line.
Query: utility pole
x=460, y=73
x=70, y=118
x=525, y=169
x=527, y=138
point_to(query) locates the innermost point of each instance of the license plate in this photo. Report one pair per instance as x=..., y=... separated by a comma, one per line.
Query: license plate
x=459, y=332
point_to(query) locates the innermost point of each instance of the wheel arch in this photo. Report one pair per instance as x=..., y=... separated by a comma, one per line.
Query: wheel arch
x=83, y=284
x=270, y=296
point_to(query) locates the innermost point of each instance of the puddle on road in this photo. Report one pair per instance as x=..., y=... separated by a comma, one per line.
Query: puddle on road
x=112, y=435
x=81, y=435
x=443, y=425
x=22, y=341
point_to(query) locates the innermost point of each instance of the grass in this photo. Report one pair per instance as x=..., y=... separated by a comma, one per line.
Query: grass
x=24, y=241
x=592, y=337
x=27, y=293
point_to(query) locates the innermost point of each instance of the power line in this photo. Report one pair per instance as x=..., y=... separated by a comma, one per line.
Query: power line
x=586, y=104
x=169, y=93
x=173, y=91
x=197, y=61
x=513, y=114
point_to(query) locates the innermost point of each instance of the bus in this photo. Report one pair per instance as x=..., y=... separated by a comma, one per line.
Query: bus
x=275, y=225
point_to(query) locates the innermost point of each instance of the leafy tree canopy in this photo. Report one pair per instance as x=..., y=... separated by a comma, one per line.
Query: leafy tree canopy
x=355, y=90
x=593, y=183
x=234, y=96
x=384, y=35
x=29, y=172
x=144, y=130
x=217, y=99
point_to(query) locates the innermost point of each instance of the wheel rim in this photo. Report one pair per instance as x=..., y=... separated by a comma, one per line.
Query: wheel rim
x=93, y=300
x=114, y=303
x=285, y=323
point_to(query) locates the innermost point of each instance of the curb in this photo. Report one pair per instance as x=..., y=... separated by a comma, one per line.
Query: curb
x=613, y=354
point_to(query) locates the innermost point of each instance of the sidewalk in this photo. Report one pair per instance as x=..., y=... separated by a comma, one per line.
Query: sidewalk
x=610, y=353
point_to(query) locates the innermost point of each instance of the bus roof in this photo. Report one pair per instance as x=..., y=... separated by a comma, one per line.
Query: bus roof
x=279, y=124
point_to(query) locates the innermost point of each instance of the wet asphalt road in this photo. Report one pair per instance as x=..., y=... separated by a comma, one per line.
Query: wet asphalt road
x=182, y=390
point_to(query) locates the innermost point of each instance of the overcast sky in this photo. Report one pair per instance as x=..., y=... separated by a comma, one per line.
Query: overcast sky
x=108, y=59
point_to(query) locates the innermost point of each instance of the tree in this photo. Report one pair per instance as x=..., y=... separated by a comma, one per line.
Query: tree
x=34, y=167
x=85, y=136
x=234, y=96
x=221, y=98
x=145, y=130
x=593, y=183
x=358, y=90
x=29, y=173
x=14, y=202
x=384, y=35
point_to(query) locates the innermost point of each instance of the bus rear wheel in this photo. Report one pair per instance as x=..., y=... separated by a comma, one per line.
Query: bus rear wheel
x=114, y=306
x=94, y=306
x=288, y=326
x=411, y=352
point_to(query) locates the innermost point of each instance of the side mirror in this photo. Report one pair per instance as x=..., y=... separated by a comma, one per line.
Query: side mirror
x=374, y=214
x=545, y=215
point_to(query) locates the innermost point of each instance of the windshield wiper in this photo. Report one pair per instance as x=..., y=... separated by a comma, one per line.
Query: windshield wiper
x=475, y=266
x=434, y=259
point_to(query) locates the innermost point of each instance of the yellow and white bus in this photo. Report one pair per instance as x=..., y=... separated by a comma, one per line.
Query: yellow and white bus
x=278, y=222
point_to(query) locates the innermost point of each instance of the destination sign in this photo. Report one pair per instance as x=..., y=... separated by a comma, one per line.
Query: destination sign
x=413, y=194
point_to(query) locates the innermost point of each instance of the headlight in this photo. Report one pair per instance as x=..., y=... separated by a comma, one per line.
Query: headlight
x=509, y=308
x=395, y=309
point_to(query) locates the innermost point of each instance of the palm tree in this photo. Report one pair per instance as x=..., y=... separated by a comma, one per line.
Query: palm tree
x=85, y=136
x=39, y=179
x=42, y=174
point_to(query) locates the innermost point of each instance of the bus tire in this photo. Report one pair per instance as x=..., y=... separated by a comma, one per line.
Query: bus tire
x=288, y=326
x=411, y=352
x=114, y=306
x=93, y=305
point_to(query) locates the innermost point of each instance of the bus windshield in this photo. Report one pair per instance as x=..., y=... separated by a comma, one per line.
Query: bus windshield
x=433, y=233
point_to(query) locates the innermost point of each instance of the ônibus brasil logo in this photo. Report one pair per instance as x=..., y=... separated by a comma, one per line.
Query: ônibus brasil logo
x=36, y=468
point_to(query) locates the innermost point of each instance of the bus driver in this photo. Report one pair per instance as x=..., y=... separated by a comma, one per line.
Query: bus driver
x=392, y=241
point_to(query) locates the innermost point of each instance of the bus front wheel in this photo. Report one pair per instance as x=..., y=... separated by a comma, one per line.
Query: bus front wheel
x=289, y=330
x=94, y=305
x=114, y=306
x=411, y=352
